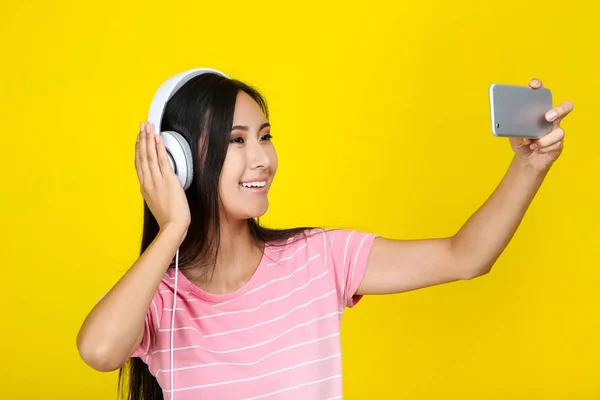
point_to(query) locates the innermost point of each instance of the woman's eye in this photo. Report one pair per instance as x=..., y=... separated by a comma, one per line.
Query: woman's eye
x=267, y=137
x=237, y=140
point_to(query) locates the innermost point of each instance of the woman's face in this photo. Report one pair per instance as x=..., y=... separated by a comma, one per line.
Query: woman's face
x=250, y=163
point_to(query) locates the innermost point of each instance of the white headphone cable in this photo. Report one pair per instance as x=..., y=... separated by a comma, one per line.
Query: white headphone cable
x=173, y=320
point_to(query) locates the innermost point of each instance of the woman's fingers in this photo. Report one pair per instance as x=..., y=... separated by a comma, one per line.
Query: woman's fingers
x=560, y=112
x=536, y=83
x=138, y=166
x=554, y=147
x=152, y=154
x=143, y=157
x=551, y=138
x=163, y=158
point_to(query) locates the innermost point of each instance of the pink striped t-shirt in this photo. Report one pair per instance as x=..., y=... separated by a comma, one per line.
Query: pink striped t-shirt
x=277, y=337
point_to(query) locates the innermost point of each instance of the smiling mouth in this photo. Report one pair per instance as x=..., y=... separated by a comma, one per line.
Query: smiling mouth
x=259, y=184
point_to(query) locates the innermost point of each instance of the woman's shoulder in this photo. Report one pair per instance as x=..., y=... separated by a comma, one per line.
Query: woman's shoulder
x=319, y=238
x=294, y=237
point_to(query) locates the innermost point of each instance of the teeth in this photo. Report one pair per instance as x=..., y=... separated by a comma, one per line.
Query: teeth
x=254, y=184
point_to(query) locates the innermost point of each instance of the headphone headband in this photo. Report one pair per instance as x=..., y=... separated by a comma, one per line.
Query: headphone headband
x=168, y=89
x=178, y=149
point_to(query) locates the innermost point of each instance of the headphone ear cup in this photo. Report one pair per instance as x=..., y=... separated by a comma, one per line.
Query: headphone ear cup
x=180, y=156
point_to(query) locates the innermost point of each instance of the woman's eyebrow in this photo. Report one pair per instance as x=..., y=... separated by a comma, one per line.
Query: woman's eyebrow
x=246, y=129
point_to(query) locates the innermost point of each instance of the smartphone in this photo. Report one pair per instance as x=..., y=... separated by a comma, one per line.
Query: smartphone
x=520, y=111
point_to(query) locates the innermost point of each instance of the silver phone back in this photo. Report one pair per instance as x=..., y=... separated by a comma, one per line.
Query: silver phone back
x=519, y=111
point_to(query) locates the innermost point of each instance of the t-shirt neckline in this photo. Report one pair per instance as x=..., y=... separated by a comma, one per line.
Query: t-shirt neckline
x=189, y=286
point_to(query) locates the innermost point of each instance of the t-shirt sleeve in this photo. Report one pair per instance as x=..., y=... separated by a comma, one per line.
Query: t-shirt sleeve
x=151, y=325
x=347, y=254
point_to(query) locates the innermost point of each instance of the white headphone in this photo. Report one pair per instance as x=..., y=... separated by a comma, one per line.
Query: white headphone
x=178, y=149
x=180, y=157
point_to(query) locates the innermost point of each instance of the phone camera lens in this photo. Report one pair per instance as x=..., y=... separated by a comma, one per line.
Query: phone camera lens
x=497, y=126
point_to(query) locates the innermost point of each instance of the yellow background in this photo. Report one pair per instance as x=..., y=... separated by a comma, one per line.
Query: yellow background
x=381, y=118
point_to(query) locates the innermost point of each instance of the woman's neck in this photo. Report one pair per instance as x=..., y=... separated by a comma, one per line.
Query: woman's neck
x=238, y=257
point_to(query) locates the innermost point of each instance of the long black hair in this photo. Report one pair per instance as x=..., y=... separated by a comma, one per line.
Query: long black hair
x=202, y=111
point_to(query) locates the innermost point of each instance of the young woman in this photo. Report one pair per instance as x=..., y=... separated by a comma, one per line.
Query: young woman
x=258, y=310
